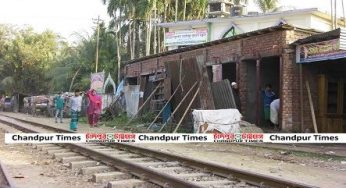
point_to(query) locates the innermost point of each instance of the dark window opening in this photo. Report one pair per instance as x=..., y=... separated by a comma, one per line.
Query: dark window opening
x=229, y=72
x=215, y=7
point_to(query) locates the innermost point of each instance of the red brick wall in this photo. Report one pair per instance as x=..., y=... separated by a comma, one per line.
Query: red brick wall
x=265, y=45
x=290, y=86
x=253, y=47
x=224, y=52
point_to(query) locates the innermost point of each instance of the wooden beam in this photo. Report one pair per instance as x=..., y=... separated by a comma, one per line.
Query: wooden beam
x=141, y=107
x=188, y=108
x=158, y=115
x=311, y=107
x=258, y=91
x=176, y=109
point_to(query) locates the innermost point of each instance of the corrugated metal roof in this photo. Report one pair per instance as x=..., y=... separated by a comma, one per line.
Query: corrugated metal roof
x=236, y=37
x=319, y=37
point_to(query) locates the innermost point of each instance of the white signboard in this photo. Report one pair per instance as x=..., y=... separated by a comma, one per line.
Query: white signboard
x=186, y=37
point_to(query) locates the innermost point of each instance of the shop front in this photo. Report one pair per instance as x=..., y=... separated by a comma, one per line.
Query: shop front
x=323, y=61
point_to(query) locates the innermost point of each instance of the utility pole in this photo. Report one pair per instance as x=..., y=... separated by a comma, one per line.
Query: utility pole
x=97, y=42
x=155, y=27
x=118, y=38
x=176, y=10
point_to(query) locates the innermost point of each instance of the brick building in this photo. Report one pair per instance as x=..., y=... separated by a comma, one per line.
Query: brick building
x=322, y=58
x=251, y=59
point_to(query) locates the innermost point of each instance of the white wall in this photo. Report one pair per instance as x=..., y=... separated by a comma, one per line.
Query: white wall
x=246, y=24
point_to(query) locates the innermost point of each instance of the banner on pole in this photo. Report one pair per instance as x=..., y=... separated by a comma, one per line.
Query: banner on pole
x=97, y=81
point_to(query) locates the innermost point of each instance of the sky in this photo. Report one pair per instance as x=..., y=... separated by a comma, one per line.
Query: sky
x=66, y=17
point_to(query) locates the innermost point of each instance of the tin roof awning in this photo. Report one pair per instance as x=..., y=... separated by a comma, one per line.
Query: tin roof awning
x=319, y=37
x=339, y=55
x=321, y=47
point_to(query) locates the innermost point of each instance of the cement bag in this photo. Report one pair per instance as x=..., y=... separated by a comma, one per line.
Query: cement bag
x=223, y=121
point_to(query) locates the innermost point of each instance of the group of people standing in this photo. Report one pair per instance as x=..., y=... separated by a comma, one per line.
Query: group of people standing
x=93, y=111
x=271, y=103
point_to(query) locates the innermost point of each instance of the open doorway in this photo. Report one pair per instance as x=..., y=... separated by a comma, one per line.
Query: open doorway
x=229, y=72
x=270, y=74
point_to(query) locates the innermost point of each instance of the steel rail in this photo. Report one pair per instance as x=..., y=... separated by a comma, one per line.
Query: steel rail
x=227, y=172
x=142, y=172
x=9, y=181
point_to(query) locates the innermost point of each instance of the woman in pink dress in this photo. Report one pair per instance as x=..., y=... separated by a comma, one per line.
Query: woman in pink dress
x=94, y=108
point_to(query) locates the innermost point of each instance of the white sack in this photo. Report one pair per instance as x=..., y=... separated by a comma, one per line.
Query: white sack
x=223, y=120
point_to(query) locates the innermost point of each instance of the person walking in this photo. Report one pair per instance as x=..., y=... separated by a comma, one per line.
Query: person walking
x=76, y=106
x=94, y=108
x=59, y=104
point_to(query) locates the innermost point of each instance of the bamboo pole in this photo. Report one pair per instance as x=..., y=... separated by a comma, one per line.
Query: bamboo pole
x=176, y=109
x=146, y=101
x=311, y=107
x=187, y=109
x=170, y=98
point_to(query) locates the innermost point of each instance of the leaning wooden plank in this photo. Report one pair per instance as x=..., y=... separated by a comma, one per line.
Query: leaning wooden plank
x=311, y=107
x=188, y=108
x=176, y=109
x=146, y=101
x=170, y=98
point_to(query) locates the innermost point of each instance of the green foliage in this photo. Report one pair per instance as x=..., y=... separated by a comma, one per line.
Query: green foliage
x=25, y=58
x=41, y=63
x=267, y=5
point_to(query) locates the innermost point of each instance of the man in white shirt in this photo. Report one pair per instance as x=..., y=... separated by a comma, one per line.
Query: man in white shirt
x=76, y=106
x=274, y=112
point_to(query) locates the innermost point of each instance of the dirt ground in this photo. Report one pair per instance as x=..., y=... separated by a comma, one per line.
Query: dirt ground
x=30, y=168
x=309, y=168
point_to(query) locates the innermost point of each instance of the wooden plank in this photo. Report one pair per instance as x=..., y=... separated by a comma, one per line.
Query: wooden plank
x=311, y=107
x=176, y=109
x=168, y=101
x=146, y=101
x=188, y=108
x=167, y=88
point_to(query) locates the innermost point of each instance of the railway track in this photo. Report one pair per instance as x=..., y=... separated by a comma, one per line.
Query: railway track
x=125, y=165
x=5, y=180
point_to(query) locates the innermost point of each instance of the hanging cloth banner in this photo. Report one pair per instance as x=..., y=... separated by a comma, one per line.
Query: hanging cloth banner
x=97, y=81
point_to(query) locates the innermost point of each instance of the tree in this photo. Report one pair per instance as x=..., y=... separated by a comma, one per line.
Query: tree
x=267, y=5
x=26, y=58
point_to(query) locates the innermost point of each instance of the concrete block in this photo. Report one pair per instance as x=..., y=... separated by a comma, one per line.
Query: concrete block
x=94, y=169
x=184, y=175
x=130, y=183
x=82, y=164
x=140, y=159
x=105, y=150
x=66, y=154
x=50, y=148
x=73, y=158
x=156, y=164
x=171, y=170
x=125, y=156
x=108, y=176
x=57, y=151
x=37, y=146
